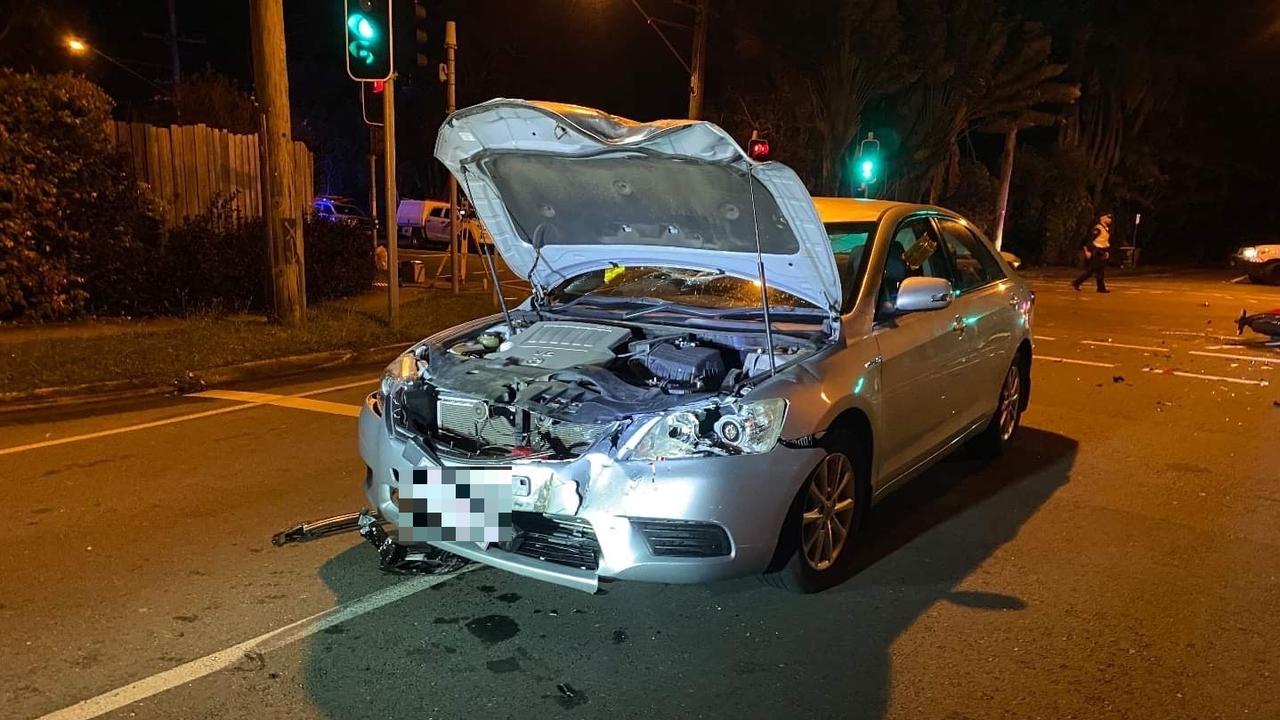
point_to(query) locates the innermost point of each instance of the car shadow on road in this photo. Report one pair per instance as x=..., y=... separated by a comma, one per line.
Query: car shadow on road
x=497, y=645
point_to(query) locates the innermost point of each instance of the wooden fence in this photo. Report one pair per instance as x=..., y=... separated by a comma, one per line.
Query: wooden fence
x=188, y=166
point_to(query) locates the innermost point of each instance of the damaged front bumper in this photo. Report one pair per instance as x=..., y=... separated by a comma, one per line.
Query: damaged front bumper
x=594, y=518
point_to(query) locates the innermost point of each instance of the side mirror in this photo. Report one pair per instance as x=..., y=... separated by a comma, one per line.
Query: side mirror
x=923, y=293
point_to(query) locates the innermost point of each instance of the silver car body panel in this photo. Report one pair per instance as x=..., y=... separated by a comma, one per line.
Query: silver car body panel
x=679, y=159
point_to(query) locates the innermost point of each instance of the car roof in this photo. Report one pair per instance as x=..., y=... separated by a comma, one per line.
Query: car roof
x=839, y=209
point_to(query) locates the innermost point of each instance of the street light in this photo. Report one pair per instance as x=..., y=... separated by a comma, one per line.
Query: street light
x=75, y=45
x=78, y=47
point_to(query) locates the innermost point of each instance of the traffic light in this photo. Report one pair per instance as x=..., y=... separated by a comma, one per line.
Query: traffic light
x=368, y=28
x=757, y=147
x=867, y=162
x=420, y=36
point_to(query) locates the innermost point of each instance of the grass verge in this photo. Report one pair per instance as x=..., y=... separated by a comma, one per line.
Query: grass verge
x=159, y=353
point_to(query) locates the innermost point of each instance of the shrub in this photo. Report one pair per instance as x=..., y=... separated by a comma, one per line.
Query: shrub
x=217, y=262
x=67, y=199
x=339, y=260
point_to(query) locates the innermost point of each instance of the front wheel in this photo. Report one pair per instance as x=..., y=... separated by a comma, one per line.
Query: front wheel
x=996, y=439
x=824, y=520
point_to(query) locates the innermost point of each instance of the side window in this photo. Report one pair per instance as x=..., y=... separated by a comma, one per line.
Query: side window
x=975, y=264
x=440, y=212
x=913, y=252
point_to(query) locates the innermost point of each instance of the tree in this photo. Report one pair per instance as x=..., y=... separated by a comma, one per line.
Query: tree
x=216, y=100
x=980, y=70
x=810, y=82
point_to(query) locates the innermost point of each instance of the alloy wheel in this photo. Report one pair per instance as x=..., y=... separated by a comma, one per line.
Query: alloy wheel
x=828, y=511
x=1010, y=397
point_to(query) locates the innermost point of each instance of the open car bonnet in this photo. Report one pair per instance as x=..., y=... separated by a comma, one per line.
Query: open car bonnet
x=564, y=189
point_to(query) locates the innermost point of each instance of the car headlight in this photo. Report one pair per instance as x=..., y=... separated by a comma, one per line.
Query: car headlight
x=1249, y=253
x=741, y=428
x=401, y=370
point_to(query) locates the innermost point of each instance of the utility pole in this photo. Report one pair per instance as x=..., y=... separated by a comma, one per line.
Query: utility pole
x=698, y=68
x=451, y=104
x=391, y=203
x=280, y=209
x=173, y=47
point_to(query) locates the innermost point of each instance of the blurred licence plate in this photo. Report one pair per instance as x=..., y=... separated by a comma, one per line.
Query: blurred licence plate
x=456, y=504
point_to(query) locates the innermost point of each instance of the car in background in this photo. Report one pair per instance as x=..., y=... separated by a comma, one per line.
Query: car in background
x=340, y=210
x=654, y=418
x=1261, y=262
x=423, y=223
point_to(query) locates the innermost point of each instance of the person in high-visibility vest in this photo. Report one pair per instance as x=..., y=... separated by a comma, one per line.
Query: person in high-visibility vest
x=1097, y=251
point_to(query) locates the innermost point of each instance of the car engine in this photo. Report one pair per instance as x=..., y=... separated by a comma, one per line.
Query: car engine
x=556, y=386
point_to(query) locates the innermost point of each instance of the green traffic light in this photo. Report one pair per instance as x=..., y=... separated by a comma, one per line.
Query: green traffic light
x=868, y=170
x=360, y=25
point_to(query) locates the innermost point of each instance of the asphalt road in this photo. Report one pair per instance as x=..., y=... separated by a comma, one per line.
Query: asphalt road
x=1123, y=561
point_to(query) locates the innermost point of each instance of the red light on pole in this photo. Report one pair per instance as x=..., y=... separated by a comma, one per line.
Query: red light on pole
x=757, y=147
x=379, y=86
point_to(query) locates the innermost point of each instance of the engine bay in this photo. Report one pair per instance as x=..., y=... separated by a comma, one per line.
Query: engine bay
x=553, y=387
x=658, y=358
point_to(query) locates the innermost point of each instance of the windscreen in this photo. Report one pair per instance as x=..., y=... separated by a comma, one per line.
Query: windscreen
x=637, y=199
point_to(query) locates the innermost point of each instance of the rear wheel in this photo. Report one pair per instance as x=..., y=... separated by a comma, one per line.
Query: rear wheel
x=824, y=521
x=996, y=439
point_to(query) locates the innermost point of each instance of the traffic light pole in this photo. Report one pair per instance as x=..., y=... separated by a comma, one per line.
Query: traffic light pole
x=390, y=203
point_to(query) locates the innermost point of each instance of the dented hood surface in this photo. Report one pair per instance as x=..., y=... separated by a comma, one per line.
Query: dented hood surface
x=592, y=190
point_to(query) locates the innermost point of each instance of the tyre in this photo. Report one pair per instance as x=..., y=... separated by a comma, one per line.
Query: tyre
x=999, y=433
x=825, y=518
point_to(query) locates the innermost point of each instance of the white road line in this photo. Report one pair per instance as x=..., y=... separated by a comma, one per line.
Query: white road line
x=209, y=664
x=1042, y=337
x=1074, y=362
x=1105, y=343
x=1214, y=378
x=1228, y=356
x=166, y=421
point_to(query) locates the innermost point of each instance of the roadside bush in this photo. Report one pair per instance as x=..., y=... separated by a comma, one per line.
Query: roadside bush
x=217, y=262
x=339, y=260
x=71, y=213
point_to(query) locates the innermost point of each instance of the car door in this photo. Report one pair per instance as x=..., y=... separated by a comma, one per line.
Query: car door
x=922, y=354
x=437, y=224
x=987, y=302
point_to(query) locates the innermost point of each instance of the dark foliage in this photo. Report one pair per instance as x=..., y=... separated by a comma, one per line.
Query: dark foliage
x=71, y=214
x=217, y=262
x=339, y=260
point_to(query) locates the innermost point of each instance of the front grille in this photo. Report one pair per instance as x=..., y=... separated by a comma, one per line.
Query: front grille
x=499, y=426
x=563, y=542
x=683, y=538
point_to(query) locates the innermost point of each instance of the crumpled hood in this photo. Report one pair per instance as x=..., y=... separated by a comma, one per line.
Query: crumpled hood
x=593, y=190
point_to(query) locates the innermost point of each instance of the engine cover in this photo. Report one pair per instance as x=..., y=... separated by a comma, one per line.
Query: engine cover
x=694, y=365
x=557, y=345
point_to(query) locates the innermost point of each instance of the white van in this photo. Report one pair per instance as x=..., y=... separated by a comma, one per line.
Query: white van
x=423, y=222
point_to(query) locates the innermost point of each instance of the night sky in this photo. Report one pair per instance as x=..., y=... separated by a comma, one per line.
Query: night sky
x=594, y=52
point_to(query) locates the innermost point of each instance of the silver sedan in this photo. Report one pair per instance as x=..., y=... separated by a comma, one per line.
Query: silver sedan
x=717, y=375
